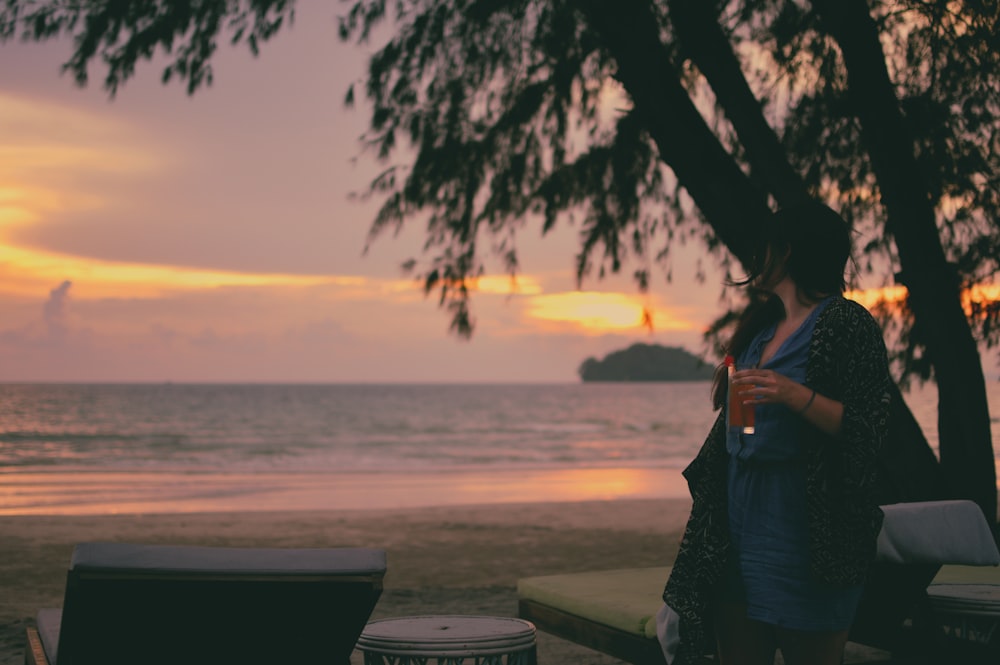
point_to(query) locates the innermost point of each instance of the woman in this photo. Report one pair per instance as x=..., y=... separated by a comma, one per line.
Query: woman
x=783, y=522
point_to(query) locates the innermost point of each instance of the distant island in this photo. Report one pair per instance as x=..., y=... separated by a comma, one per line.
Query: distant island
x=647, y=362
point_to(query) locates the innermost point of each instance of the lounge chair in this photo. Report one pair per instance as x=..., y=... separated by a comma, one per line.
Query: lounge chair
x=615, y=611
x=155, y=604
x=611, y=611
x=922, y=544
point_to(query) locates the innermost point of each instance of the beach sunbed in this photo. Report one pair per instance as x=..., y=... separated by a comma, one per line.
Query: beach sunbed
x=615, y=611
x=156, y=604
x=611, y=611
x=921, y=543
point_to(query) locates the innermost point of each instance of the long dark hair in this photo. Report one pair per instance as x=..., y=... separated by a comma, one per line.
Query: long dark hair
x=811, y=244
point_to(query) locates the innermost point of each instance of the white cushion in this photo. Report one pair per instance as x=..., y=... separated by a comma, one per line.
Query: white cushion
x=941, y=532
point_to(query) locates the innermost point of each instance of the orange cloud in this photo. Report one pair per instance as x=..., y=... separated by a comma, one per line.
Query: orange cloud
x=27, y=272
x=488, y=284
x=44, y=148
x=595, y=312
x=504, y=285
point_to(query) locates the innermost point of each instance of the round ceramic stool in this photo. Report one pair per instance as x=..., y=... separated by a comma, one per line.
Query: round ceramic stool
x=448, y=640
x=968, y=611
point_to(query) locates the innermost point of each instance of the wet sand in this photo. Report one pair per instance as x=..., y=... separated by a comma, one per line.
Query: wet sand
x=101, y=491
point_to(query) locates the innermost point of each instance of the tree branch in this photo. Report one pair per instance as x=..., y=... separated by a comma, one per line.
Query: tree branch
x=723, y=193
x=702, y=37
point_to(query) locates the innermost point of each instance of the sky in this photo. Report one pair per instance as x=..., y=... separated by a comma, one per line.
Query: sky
x=161, y=237
x=158, y=236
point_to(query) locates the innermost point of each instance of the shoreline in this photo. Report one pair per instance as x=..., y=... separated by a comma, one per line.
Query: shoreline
x=111, y=491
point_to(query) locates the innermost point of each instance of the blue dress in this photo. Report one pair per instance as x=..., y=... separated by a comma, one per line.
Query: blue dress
x=770, y=570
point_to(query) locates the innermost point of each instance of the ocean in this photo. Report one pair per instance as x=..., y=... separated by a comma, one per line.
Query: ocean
x=105, y=447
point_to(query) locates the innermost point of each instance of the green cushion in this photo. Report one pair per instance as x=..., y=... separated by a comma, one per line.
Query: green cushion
x=968, y=575
x=629, y=599
x=625, y=599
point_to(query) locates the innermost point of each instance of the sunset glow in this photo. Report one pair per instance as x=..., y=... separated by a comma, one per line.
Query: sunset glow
x=44, y=135
x=870, y=297
x=26, y=271
x=984, y=292
x=588, y=309
x=895, y=296
x=524, y=285
x=221, y=237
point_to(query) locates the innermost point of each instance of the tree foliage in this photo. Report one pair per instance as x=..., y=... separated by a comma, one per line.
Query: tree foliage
x=123, y=32
x=509, y=108
x=507, y=105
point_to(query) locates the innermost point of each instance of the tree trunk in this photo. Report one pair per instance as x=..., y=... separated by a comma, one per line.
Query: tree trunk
x=909, y=470
x=697, y=28
x=727, y=198
x=941, y=326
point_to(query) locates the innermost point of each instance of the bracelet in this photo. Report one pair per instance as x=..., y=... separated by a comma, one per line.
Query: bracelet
x=808, y=404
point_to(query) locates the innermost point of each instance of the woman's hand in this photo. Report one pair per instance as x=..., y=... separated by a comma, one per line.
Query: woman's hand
x=770, y=387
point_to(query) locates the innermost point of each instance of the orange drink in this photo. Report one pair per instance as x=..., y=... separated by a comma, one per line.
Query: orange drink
x=740, y=415
x=745, y=411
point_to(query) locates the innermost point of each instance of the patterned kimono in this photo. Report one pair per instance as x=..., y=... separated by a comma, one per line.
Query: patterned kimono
x=847, y=363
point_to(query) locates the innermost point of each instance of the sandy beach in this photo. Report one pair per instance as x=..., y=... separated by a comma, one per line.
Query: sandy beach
x=442, y=560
